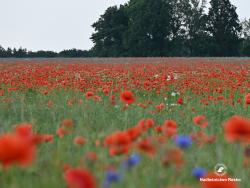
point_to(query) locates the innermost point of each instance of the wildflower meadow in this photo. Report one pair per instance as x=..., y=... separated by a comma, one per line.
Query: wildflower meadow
x=125, y=123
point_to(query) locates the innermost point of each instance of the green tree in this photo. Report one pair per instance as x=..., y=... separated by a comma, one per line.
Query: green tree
x=199, y=40
x=20, y=53
x=109, y=31
x=74, y=53
x=41, y=54
x=245, y=47
x=179, y=28
x=9, y=52
x=2, y=52
x=224, y=27
x=149, y=27
x=168, y=28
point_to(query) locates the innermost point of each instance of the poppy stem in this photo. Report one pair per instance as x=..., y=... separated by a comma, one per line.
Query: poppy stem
x=126, y=118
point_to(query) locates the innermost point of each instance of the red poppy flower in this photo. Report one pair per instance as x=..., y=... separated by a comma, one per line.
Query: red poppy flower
x=180, y=101
x=145, y=124
x=23, y=130
x=67, y=123
x=1, y=92
x=149, y=123
x=247, y=99
x=118, y=150
x=97, y=98
x=91, y=156
x=142, y=105
x=79, y=140
x=127, y=97
x=160, y=107
x=89, y=94
x=201, y=138
x=45, y=92
x=118, y=138
x=118, y=143
x=218, y=184
x=15, y=149
x=237, y=129
x=47, y=137
x=173, y=156
x=106, y=91
x=158, y=129
x=79, y=178
x=200, y=121
x=147, y=146
x=61, y=131
x=134, y=133
x=169, y=128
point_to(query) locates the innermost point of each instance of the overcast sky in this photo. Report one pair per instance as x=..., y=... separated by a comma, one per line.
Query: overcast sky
x=59, y=24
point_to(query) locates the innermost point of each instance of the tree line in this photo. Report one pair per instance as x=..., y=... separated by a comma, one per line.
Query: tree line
x=157, y=28
x=23, y=53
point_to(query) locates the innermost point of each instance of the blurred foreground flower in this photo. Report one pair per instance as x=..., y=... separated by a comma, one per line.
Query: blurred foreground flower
x=217, y=183
x=173, y=156
x=79, y=140
x=132, y=161
x=183, y=141
x=112, y=176
x=79, y=178
x=15, y=149
x=146, y=146
x=200, y=121
x=247, y=99
x=118, y=142
x=237, y=128
x=201, y=138
x=19, y=147
x=179, y=186
x=199, y=172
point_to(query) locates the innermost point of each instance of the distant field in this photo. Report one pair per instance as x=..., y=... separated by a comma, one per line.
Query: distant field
x=124, y=122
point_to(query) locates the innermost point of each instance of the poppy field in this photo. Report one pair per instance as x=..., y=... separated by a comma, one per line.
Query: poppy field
x=126, y=122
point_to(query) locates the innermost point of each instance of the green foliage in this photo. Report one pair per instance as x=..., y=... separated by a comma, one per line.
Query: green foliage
x=110, y=30
x=245, y=46
x=224, y=26
x=149, y=27
x=74, y=53
x=168, y=28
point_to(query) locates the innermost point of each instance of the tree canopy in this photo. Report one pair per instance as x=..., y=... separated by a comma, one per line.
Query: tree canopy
x=169, y=28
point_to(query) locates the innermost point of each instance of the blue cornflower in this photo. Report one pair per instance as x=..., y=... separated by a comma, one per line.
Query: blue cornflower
x=199, y=172
x=183, y=141
x=133, y=160
x=112, y=177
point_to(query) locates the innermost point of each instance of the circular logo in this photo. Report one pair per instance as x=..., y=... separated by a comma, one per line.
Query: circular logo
x=220, y=169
